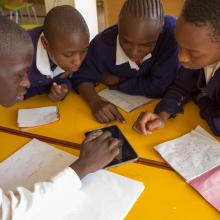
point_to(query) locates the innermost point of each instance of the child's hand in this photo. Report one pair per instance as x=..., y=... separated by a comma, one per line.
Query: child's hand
x=109, y=79
x=58, y=92
x=96, y=154
x=147, y=122
x=105, y=112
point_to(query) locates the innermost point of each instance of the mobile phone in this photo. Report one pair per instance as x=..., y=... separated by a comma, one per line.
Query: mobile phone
x=126, y=154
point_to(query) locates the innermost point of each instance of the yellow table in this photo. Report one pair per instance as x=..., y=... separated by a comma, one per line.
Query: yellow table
x=76, y=118
x=166, y=196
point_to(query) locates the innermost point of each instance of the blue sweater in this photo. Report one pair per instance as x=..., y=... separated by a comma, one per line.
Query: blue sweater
x=39, y=82
x=189, y=84
x=155, y=74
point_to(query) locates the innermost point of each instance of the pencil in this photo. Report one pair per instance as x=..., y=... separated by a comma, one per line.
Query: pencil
x=75, y=146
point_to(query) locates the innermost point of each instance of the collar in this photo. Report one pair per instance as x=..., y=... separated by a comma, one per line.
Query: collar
x=43, y=63
x=122, y=58
x=211, y=70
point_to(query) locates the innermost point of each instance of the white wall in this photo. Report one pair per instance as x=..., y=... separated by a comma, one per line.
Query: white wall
x=89, y=11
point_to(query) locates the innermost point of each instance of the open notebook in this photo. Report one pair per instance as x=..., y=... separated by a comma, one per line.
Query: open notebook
x=34, y=117
x=105, y=195
x=124, y=101
x=196, y=157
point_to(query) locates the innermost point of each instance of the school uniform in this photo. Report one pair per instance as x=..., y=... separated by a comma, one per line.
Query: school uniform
x=51, y=199
x=42, y=74
x=156, y=72
x=189, y=84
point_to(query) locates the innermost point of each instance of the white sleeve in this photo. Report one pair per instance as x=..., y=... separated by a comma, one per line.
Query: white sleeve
x=25, y=204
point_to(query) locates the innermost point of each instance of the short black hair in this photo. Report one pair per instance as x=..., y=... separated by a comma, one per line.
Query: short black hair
x=12, y=35
x=203, y=13
x=143, y=9
x=64, y=19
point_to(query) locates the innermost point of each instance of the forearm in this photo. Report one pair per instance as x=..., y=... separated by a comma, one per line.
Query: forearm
x=22, y=203
x=210, y=111
x=145, y=86
x=88, y=92
x=208, y=108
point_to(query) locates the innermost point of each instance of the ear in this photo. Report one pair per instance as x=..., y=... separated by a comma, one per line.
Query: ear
x=44, y=41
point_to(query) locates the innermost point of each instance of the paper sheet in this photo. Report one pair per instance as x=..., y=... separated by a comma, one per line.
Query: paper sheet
x=202, y=131
x=208, y=185
x=122, y=100
x=192, y=154
x=35, y=162
x=37, y=116
x=109, y=196
x=105, y=195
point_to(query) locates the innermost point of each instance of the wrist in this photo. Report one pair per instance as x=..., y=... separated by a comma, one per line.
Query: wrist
x=94, y=101
x=80, y=168
x=199, y=96
x=164, y=116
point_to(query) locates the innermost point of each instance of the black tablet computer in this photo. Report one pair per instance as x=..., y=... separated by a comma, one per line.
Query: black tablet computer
x=127, y=153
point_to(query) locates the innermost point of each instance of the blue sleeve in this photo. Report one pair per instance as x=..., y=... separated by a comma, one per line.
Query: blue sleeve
x=155, y=83
x=46, y=88
x=67, y=81
x=32, y=91
x=92, y=67
x=178, y=93
x=210, y=111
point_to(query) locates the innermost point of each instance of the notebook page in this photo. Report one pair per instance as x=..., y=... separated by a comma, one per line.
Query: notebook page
x=122, y=100
x=191, y=155
x=37, y=116
x=104, y=195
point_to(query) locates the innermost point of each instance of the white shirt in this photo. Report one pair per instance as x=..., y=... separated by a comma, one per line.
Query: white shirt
x=121, y=57
x=47, y=201
x=210, y=71
x=43, y=62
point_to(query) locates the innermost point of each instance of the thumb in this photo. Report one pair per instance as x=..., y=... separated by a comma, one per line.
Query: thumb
x=155, y=125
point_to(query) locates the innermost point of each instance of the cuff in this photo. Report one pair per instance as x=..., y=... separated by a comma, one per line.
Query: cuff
x=170, y=106
x=67, y=179
x=67, y=82
x=214, y=124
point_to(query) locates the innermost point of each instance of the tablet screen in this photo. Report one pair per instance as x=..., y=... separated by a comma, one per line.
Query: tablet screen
x=126, y=153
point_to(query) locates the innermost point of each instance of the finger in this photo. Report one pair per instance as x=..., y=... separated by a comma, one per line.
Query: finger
x=53, y=91
x=52, y=97
x=103, y=117
x=115, y=152
x=136, y=125
x=108, y=113
x=114, y=142
x=155, y=125
x=90, y=137
x=142, y=122
x=57, y=89
x=104, y=137
x=117, y=114
x=98, y=118
x=137, y=128
x=64, y=89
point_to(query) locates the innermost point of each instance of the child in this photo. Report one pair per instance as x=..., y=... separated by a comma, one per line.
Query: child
x=59, y=49
x=198, y=36
x=16, y=51
x=138, y=56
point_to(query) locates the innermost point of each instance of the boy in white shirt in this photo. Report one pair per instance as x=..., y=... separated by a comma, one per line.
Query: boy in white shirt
x=16, y=51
